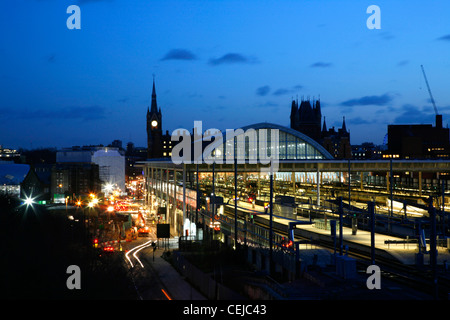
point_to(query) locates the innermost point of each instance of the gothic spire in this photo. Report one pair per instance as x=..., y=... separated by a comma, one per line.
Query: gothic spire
x=154, y=107
x=318, y=110
x=344, y=128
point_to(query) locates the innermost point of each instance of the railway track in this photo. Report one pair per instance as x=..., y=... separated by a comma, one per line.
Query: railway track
x=420, y=279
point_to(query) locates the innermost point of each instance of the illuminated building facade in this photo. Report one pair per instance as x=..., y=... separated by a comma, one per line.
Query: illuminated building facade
x=11, y=177
x=111, y=162
x=9, y=154
x=74, y=180
x=292, y=146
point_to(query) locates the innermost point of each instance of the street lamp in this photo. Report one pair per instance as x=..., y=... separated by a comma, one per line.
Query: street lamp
x=109, y=187
x=28, y=202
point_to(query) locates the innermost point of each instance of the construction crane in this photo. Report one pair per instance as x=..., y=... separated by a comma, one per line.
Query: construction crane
x=438, y=116
x=429, y=90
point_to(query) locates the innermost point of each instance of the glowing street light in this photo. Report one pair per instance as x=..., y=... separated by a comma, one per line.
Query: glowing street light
x=29, y=201
x=109, y=187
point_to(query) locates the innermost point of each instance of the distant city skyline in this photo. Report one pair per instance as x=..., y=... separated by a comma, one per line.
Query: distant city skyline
x=226, y=63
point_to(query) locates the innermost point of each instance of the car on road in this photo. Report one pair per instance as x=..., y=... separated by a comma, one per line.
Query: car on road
x=144, y=231
x=108, y=249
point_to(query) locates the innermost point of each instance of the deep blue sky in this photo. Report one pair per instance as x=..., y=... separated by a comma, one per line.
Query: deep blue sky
x=228, y=63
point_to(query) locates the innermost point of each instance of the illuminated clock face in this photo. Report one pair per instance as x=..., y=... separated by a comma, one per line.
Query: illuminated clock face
x=154, y=123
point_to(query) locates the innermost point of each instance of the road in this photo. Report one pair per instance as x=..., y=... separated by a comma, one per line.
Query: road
x=138, y=257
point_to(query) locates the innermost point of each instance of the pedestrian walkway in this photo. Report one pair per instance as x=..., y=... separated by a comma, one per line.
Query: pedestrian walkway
x=176, y=285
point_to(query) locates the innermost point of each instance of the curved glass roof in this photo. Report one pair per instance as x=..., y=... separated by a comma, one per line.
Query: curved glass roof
x=257, y=141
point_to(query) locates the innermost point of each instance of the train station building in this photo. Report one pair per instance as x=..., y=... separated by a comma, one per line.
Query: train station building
x=306, y=176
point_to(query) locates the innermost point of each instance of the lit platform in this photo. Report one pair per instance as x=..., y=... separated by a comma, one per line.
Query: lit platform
x=402, y=252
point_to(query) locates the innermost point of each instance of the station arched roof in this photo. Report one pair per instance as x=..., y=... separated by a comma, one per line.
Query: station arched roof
x=316, y=150
x=293, y=145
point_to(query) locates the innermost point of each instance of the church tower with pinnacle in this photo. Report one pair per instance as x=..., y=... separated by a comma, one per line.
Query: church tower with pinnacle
x=306, y=118
x=154, y=128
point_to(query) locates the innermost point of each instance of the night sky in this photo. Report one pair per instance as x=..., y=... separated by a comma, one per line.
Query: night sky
x=227, y=63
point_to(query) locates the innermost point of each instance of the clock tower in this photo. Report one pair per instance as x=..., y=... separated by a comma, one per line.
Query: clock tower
x=154, y=128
